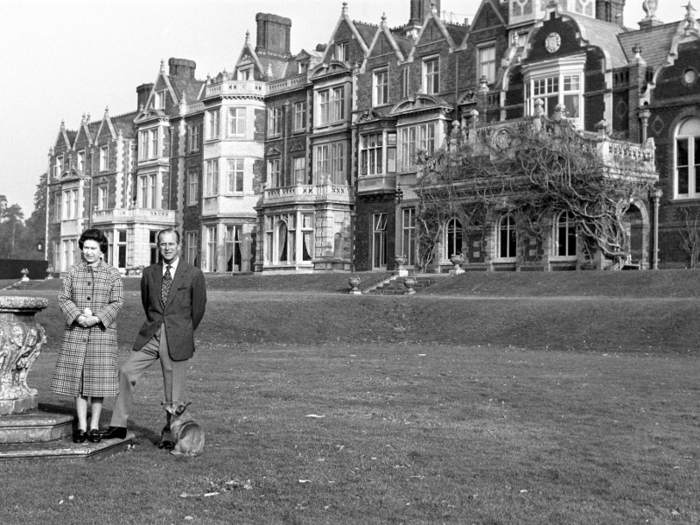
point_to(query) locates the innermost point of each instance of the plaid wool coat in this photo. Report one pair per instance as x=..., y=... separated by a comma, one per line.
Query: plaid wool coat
x=87, y=361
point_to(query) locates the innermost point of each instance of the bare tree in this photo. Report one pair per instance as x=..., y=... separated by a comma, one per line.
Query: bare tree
x=690, y=234
x=532, y=169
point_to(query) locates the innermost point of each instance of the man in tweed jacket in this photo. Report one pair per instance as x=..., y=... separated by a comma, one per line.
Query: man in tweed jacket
x=174, y=297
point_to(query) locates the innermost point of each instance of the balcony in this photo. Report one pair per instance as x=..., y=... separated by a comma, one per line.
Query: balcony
x=134, y=215
x=284, y=85
x=376, y=184
x=308, y=194
x=236, y=87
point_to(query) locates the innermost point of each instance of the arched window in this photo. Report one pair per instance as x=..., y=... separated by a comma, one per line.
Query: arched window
x=688, y=158
x=565, y=235
x=507, y=238
x=453, y=238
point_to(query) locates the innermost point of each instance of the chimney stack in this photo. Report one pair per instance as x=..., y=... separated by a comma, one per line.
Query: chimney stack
x=274, y=34
x=181, y=68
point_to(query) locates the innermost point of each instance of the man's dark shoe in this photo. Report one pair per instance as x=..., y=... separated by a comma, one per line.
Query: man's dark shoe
x=94, y=436
x=167, y=441
x=114, y=433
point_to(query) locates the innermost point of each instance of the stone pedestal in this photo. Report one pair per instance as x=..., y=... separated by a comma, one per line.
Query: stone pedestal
x=25, y=431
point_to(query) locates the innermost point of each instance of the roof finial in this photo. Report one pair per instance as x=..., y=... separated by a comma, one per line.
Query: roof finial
x=383, y=18
x=247, y=37
x=106, y=110
x=63, y=124
x=649, y=7
x=162, y=66
x=345, y=8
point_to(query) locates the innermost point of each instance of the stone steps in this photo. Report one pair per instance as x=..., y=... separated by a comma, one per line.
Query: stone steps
x=397, y=286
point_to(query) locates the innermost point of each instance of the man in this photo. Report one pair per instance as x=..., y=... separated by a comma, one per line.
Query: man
x=174, y=297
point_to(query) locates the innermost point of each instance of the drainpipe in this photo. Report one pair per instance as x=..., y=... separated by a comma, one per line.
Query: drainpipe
x=658, y=193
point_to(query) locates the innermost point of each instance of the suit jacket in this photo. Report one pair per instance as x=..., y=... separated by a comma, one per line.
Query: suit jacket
x=182, y=311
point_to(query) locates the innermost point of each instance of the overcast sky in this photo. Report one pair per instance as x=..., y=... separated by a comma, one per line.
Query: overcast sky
x=62, y=58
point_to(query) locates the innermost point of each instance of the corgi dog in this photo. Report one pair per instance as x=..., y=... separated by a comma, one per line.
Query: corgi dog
x=189, y=436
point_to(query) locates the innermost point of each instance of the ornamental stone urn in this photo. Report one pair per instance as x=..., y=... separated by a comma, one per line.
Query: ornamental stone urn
x=21, y=339
x=409, y=283
x=457, y=260
x=354, y=283
x=400, y=260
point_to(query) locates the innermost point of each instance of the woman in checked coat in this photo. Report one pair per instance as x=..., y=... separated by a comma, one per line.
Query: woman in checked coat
x=87, y=362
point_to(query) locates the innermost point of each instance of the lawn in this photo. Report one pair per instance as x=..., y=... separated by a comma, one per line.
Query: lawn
x=443, y=407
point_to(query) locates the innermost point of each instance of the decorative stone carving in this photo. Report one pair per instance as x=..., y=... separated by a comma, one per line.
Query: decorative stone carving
x=21, y=339
x=354, y=283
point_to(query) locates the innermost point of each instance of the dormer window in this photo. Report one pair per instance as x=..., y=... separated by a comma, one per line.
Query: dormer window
x=148, y=144
x=303, y=67
x=557, y=83
x=431, y=76
x=341, y=51
x=159, y=100
x=104, y=157
x=81, y=160
x=245, y=73
x=58, y=166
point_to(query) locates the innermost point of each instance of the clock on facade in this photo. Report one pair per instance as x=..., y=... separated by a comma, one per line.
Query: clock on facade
x=552, y=42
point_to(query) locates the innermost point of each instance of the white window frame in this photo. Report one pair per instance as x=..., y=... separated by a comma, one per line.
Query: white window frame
x=191, y=243
x=330, y=162
x=212, y=248
x=380, y=87
x=147, y=193
x=379, y=241
x=193, y=138
x=487, y=64
x=331, y=104
x=211, y=177
x=213, y=124
x=299, y=116
x=58, y=166
x=81, y=160
x=431, y=75
x=687, y=131
x=192, y=188
x=275, y=125
x=415, y=138
x=511, y=251
x=102, y=197
x=236, y=122
x=299, y=169
x=372, y=154
x=159, y=99
x=341, y=51
x=235, y=175
x=274, y=172
x=405, y=82
x=408, y=235
x=540, y=82
x=104, y=158
x=454, y=238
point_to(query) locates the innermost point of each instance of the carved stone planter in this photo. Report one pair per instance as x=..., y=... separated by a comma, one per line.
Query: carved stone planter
x=354, y=283
x=21, y=339
x=409, y=283
x=457, y=260
x=400, y=260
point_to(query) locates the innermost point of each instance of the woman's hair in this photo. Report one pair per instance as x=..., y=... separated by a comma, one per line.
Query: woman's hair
x=96, y=235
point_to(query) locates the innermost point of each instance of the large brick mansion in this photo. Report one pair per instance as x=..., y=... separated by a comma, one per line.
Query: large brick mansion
x=308, y=162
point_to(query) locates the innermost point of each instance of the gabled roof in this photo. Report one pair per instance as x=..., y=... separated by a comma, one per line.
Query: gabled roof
x=655, y=42
x=384, y=32
x=249, y=51
x=419, y=102
x=84, y=132
x=434, y=20
x=106, y=127
x=603, y=35
x=64, y=137
x=363, y=32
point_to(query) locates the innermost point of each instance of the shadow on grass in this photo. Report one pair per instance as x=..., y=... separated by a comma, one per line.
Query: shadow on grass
x=141, y=432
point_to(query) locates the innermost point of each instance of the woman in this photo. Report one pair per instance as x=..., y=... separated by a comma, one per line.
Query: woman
x=87, y=362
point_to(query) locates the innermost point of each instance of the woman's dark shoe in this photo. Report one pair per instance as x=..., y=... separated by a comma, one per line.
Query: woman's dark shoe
x=114, y=433
x=79, y=436
x=94, y=436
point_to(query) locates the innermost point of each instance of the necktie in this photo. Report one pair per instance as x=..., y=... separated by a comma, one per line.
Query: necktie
x=167, y=282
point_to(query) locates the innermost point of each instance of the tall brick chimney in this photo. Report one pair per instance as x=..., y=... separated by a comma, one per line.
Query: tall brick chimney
x=420, y=9
x=610, y=10
x=142, y=93
x=182, y=68
x=274, y=34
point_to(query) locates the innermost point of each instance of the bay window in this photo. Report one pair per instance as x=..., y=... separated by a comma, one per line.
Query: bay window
x=330, y=163
x=213, y=127
x=331, y=106
x=687, y=159
x=414, y=140
x=557, y=82
x=236, y=122
x=234, y=176
x=147, y=192
x=211, y=178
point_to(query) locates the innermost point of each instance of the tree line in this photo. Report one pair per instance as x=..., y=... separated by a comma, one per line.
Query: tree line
x=20, y=238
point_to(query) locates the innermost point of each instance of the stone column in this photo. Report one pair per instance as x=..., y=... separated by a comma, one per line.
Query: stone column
x=21, y=339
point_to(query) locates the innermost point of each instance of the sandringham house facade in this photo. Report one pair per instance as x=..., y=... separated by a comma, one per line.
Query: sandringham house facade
x=311, y=162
